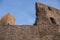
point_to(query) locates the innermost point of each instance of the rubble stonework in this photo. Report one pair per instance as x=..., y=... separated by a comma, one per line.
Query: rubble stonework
x=46, y=26
x=8, y=19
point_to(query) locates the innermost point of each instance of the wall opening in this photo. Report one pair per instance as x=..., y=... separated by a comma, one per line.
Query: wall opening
x=49, y=8
x=8, y=24
x=53, y=20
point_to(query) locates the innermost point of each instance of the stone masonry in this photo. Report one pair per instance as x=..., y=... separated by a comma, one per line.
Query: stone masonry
x=8, y=19
x=46, y=26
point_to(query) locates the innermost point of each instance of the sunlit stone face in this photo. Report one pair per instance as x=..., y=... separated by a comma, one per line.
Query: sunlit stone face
x=8, y=20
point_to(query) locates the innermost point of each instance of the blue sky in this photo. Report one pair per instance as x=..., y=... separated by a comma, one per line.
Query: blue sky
x=24, y=10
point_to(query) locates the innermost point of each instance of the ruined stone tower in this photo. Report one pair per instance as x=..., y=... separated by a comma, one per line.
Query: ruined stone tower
x=46, y=26
x=47, y=13
x=8, y=20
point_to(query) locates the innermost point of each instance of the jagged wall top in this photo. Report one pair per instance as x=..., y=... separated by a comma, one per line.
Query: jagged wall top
x=44, y=11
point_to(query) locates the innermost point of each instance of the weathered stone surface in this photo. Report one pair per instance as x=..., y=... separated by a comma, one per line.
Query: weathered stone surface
x=47, y=37
x=8, y=19
x=46, y=27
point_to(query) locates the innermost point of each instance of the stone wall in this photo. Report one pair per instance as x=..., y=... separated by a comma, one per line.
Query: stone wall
x=43, y=29
x=44, y=11
x=29, y=33
x=19, y=33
